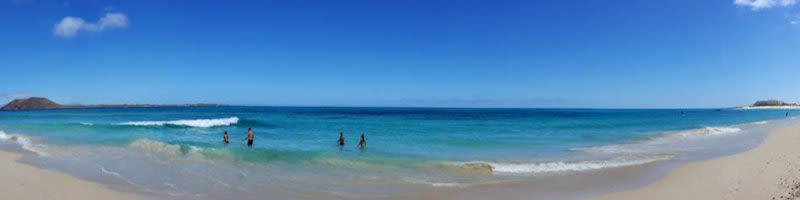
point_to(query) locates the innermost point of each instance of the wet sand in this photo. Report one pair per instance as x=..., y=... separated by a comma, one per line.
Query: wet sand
x=22, y=181
x=769, y=171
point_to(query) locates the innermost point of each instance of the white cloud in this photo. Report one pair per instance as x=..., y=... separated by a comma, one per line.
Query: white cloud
x=761, y=4
x=71, y=26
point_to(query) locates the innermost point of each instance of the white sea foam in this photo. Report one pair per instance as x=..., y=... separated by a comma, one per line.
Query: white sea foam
x=28, y=145
x=3, y=136
x=103, y=169
x=119, y=176
x=340, y=162
x=760, y=122
x=449, y=185
x=616, y=148
x=199, y=123
x=87, y=123
x=435, y=184
x=163, y=148
x=710, y=131
x=560, y=166
x=24, y=142
x=663, y=143
x=156, y=147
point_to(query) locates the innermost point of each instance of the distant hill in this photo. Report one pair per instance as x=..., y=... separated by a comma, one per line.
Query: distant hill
x=31, y=104
x=39, y=103
x=772, y=103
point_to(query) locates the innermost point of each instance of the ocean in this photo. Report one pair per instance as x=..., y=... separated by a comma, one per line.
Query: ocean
x=178, y=153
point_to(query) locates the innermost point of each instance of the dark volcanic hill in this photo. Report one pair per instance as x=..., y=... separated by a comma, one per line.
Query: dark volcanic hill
x=772, y=103
x=31, y=104
x=38, y=103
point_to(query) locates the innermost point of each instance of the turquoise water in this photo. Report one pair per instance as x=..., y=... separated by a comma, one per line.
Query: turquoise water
x=295, y=147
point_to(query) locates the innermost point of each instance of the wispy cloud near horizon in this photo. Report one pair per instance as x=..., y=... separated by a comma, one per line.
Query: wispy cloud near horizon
x=15, y=95
x=70, y=26
x=762, y=4
x=794, y=19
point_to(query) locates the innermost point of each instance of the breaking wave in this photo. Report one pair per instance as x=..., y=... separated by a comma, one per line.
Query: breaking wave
x=163, y=148
x=24, y=142
x=198, y=123
x=710, y=131
x=662, y=143
x=560, y=166
x=156, y=147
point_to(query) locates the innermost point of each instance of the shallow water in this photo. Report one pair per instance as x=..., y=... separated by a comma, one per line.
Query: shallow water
x=178, y=152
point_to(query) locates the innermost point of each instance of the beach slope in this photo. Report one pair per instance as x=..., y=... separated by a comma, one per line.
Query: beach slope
x=21, y=181
x=770, y=171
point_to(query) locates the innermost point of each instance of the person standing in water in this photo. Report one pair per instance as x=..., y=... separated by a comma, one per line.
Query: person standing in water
x=341, y=138
x=362, y=143
x=225, y=138
x=249, y=137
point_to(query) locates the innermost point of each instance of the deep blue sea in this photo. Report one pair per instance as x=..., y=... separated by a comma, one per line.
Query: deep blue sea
x=178, y=151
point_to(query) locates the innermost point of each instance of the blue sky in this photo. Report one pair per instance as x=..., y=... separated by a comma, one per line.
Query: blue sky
x=603, y=54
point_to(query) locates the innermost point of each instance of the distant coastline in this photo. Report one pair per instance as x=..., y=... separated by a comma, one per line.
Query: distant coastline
x=769, y=107
x=41, y=103
x=770, y=104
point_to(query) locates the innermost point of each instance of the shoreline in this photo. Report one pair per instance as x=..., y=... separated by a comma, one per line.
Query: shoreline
x=730, y=176
x=769, y=171
x=793, y=107
x=23, y=181
x=643, y=176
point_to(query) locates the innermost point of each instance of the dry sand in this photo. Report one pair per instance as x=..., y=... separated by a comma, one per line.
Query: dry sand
x=22, y=181
x=770, y=171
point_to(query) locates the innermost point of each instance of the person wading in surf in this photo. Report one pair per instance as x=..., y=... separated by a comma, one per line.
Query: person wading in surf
x=341, y=138
x=249, y=137
x=225, y=138
x=362, y=143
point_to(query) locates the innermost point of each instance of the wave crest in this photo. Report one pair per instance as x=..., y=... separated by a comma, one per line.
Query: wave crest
x=198, y=123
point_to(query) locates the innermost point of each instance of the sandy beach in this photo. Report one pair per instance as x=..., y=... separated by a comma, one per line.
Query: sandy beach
x=770, y=171
x=22, y=181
